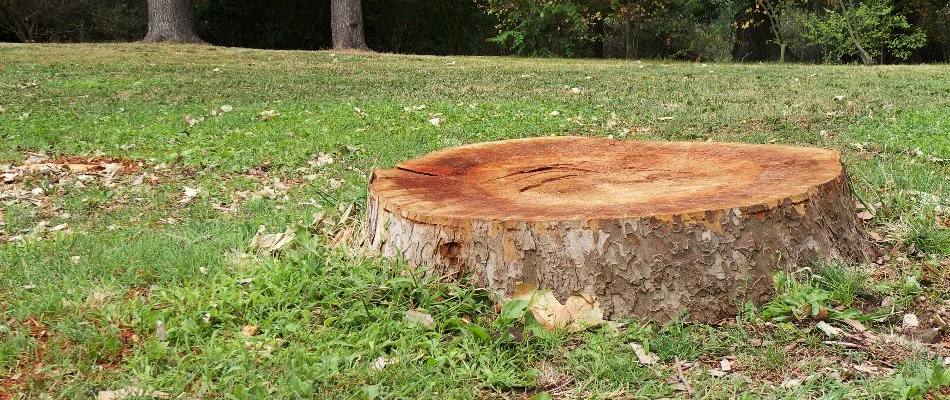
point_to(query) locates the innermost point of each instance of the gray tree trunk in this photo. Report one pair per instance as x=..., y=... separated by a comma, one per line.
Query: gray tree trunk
x=171, y=21
x=346, y=22
x=865, y=57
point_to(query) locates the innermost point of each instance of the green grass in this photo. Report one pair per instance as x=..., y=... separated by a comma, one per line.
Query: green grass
x=79, y=308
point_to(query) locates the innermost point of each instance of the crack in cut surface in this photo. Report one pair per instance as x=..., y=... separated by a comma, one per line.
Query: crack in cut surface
x=536, y=185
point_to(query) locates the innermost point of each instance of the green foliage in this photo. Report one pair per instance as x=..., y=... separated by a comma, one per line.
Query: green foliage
x=814, y=295
x=932, y=379
x=73, y=20
x=545, y=27
x=844, y=285
x=428, y=27
x=882, y=31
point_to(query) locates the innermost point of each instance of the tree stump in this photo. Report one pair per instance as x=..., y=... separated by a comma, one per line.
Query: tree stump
x=649, y=228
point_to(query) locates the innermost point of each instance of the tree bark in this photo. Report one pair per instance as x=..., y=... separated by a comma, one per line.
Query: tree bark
x=346, y=22
x=172, y=21
x=649, y=228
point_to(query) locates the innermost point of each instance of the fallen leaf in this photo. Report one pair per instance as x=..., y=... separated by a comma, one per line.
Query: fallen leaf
x=28, y=287
x=555, y=113
x=160, y=332
x=829, y=330
x=791, y=383
x=272, y=242
x=321, y=160
x=267, y=115
x=250, y=330
x=911, y=321
x=189, y=121
x=190, y=194
x=335, y=183
x=435, y=121
x=865, y=215
x=382, y=362
x=665, y=118
x=418, y=317
x=642, y=356
x=226, y=108
x=130, y=392
x=124, y=393
x=578, y=313
x=585, y=312
x=575, y=90
x=725, y=365
x=855, y=324
x=547, y=310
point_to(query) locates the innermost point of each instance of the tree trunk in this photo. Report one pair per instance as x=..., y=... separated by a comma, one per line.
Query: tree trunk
x=346, y=21
x=649, y=228
x=171, y=21
x=752, y=37
x=865, y=57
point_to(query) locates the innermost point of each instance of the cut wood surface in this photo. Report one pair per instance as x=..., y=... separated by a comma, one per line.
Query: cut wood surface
x=649, y=228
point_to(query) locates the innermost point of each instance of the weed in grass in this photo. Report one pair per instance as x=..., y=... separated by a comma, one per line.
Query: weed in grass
x=922, y=380
x=844, y=285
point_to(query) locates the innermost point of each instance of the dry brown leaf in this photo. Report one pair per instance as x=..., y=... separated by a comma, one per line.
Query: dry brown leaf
x=829, y=330
x=911, y=321
x=725, y=365
x=250, y=330
x=578, y=313
x=130, y=392
x=585, y=312
x=189, y=195
x=271, y=242
x=642, y=356
x=267, y=115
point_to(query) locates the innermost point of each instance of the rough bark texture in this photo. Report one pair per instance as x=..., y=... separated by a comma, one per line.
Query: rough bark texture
x=171, y=21
x=346, y=23
x=649, y=228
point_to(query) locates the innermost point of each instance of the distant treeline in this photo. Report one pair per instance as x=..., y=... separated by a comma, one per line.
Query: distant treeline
x=889, y=31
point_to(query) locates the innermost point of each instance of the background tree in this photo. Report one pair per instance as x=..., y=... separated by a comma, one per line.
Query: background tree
x=846, y=11
x=869, y=30
x=71, y=20
x=171, y=21
x=635, y=14
x=776, y=11
x=346, y=21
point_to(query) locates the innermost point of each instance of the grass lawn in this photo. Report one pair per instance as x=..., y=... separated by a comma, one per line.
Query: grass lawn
x=121, y=277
